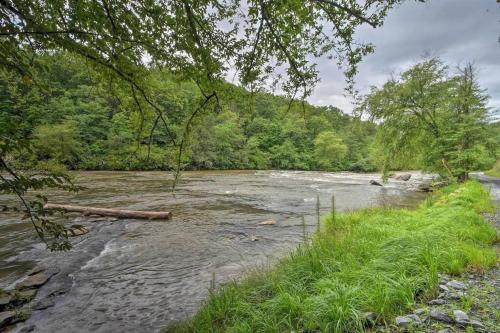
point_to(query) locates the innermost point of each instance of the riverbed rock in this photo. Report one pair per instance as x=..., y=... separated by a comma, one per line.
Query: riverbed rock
x=6, y=318
x=33, y=281
x=268, y=222
x=27, y=329
x=477, y=324
x=73, y=232
x=445, y=330
x=457, y=285
x=441, y=316
x=404, y=321
x=44, y=303
x=437, y=301
x=374, y=182
x=461, y=318
x=404, y=177
x=4, y=301
x=424, y=188
x=36, y=269
x=456, y=295
x=444, y=288
x=419, y=311
x=26, y=295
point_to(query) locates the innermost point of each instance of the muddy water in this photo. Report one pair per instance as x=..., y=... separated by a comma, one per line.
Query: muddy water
x=132, y=275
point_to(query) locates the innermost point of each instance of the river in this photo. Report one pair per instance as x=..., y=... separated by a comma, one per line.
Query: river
x=137, y=275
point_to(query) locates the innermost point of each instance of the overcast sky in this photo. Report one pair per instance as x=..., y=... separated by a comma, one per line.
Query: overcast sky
x=456, y=30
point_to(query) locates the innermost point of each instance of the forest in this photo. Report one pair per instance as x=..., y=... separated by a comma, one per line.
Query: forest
x=81, y=122
x=86, y=124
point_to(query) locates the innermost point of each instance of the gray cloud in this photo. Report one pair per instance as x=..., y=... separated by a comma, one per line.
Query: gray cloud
x=458, y=31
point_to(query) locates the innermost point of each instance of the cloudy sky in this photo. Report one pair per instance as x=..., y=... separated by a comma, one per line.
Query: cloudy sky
x=458, y=31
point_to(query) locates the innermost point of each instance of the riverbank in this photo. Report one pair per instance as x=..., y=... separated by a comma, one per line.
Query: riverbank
x=363, y=269
x=117, y=275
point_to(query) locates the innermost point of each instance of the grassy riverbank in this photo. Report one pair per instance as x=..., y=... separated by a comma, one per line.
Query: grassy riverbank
x=376, y=260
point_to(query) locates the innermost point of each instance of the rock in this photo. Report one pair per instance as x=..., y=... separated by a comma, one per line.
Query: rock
x=444, y=288
x=374, y=182
x=457, y=295
x=457, y=285
x=21, y=297
x=438, y=301
x=268, y=222
x=461, y=317
x=4, y=301
x=441, y=316
x=477, y=324
x=424, y=188
x=445, y=330
x=7, y=317
x=44, y=303
x=405, y=177
x=254, y=238
x=27, y=295
x=36, y=269
x=370, y=316
x=27, y=329
x=73, y=232
x=419, y=312
x=36, y=280
x=404, y=321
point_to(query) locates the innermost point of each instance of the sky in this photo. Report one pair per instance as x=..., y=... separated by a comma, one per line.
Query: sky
x=458, y=31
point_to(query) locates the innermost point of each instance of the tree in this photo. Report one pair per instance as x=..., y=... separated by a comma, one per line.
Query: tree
x=59, y=142
x=432, y=119
x=329, y=150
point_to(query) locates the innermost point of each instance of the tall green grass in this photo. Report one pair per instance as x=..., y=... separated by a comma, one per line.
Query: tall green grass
x=373, y=260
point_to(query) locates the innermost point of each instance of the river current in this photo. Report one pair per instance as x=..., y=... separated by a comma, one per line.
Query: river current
x=139, y=275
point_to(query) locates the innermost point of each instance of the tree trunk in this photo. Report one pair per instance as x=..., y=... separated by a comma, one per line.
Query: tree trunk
x=111, y=212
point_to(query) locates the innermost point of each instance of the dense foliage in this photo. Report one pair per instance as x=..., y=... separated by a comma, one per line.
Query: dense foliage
x=434, y=120
x=356, y=264
x=82, y=124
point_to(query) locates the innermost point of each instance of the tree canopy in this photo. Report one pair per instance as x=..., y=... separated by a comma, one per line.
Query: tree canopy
x=198, y=40
x=432, y=118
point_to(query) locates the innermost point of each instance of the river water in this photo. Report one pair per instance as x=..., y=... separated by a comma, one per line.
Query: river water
x=138, y=275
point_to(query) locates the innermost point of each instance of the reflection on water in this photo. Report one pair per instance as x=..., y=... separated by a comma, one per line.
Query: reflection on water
x=138, y=275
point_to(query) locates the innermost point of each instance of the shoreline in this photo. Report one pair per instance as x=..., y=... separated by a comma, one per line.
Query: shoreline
x=254, y=303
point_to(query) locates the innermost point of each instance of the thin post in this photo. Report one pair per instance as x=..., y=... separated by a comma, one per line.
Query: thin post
x=212, y=282
x=304, y=236
x=317, y=211
x=333, y=209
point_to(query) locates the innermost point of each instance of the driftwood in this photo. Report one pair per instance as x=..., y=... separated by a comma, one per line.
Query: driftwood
x=136, y=214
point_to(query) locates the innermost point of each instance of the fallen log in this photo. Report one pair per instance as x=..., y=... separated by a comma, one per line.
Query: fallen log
x=136, y=214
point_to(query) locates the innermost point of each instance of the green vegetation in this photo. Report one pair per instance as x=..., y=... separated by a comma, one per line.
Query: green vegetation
x=80, y=124
x=375, y=260
x=433, y=119
x=495, y=171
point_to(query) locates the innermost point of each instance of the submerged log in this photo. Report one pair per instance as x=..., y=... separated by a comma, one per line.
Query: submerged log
x=136, y=214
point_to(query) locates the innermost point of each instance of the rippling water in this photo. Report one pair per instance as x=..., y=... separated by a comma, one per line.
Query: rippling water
x=136, y=275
